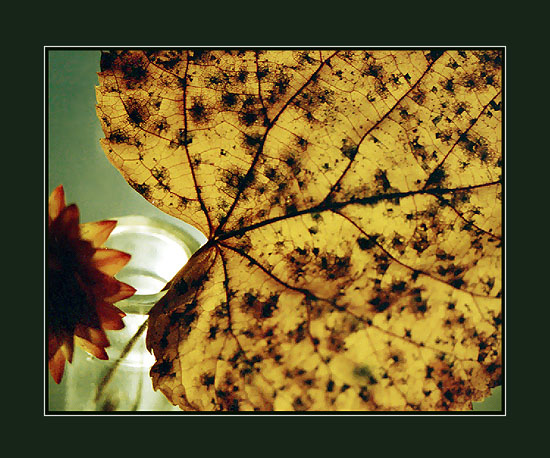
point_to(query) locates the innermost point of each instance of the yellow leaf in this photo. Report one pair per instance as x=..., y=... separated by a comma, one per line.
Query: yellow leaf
x=352, y=203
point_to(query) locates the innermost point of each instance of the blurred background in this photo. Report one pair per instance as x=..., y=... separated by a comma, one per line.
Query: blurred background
x=76, y=160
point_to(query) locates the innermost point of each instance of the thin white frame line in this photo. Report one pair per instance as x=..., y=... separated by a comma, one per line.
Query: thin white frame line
x=419, y=47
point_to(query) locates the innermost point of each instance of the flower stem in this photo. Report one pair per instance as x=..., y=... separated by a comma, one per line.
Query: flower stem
x=109, y=375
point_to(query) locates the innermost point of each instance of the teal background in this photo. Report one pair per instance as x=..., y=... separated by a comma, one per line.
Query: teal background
x=76, y=160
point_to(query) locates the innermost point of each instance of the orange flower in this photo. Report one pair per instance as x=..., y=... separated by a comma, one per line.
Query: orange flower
x=81, y=288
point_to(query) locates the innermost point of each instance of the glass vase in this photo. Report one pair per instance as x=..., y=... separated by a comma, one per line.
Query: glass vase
x=122, y=383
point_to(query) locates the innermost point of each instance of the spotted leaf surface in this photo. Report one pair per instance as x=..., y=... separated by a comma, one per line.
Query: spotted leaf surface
x=352, y=205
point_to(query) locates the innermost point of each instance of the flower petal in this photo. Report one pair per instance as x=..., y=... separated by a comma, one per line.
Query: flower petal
x=110, y=261
x=53, y=345
x=125, y=291
x=95, y=350
x=110, y=317
x=57, y=365
x=67, y=348
x=98, y=232
x=56, y=203
x=102, y=285
x=67, y=222
x=92, y=335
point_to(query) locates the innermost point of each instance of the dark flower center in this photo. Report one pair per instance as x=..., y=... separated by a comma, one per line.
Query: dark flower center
x=68, y=300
